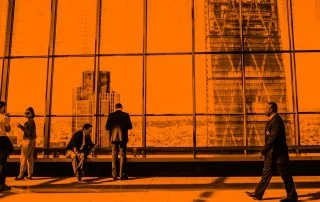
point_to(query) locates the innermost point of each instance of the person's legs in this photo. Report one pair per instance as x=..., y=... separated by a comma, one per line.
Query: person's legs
x=265, y=179
x=2, y=173
x=115, y=151
x=30, y=158
x=3, y=167
x=73, y=156
x=283, y=170
x=81, y=166
x=23, y=159
x=123, y=161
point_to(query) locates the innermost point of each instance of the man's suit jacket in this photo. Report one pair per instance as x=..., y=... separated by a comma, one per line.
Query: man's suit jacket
x=275, y=148
x=76, y=141
x=119, y=120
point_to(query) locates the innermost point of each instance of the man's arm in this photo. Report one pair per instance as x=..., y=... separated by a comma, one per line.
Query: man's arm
x=108, y=124
x=75, y=142
x=275, y=132
x=129, y=124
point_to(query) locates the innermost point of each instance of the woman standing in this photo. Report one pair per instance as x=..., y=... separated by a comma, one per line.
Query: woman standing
x=28, y=144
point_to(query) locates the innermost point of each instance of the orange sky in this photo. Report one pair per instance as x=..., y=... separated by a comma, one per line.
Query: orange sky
x=169, y=30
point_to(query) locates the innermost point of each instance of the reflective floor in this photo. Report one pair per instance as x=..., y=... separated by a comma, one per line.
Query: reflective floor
x=153, y=189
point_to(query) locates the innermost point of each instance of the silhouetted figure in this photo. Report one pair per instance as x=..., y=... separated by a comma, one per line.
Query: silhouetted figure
x=275, y=152
x=78, y=149
x=118, y=124
x=6, y=147
x=28, y=144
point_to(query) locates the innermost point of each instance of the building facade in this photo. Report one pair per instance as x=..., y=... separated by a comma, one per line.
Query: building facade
x=239, y=75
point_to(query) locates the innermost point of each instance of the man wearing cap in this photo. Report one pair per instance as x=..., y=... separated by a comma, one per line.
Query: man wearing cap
x=6, y=147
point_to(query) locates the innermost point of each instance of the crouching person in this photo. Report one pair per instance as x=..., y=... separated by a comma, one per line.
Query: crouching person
x=79, y=148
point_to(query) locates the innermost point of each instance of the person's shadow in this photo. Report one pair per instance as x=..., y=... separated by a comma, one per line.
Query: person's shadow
x=310, y=196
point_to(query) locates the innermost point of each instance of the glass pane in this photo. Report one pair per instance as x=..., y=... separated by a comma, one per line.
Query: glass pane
x=265, y=25
x=169, y=131
x=76, y=27
x=201, y=74
x=1, y=72
x=3, y=24
x=122, y=83
x=268, y=78
x=200, y=21
x=219, y=84
x=27, y=85
x=73, y=86
x=217, y=25
x=219, y=131
x=62, y=129
x=125, y=81
x=256, y=129
x=169, y=86
x=169, y=25
x=307, y=65
x=222, y=31
x=135, y=135
x=31, y=27
x=309, y=129
x=306, y=22
x=16, y=134
x=122, y=26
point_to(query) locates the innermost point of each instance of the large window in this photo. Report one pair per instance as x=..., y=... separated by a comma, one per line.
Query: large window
x=3, y=24
x=306, y=21
x=169, y=26
x=121, y=26
x=31, y=27
x=179, y=76
x=76, y=27
x=125, y=86
x=169, y=87
x=308, y=98
x=27, y=89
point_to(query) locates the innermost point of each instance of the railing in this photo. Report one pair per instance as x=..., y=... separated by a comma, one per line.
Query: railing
x=153, y=151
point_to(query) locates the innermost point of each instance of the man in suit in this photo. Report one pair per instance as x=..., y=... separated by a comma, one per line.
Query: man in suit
x=6, y=147
x=79, y=148
x=275, y=152
x=118, y=124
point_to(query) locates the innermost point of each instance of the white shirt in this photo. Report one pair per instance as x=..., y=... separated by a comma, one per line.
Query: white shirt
x=272, y=116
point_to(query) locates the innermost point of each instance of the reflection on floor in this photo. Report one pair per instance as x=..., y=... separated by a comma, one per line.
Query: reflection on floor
x=155, y=189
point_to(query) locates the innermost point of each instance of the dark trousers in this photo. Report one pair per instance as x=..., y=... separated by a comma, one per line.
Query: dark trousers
x=122, y=148
x=283, y=169
x=3, y=168
x=78, y=163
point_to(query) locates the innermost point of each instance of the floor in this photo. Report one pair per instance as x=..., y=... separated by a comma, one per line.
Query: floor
x=153, y=189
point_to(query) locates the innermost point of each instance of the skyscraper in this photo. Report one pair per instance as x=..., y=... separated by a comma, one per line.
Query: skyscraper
x=83, y=103
x=232, y=28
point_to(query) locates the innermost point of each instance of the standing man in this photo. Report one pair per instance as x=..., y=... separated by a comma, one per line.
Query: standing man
x=118, y=124
x=275, y=152
x=79, y=148
x=6, y=147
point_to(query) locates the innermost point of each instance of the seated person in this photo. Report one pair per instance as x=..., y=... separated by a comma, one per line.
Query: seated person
x=79, y=148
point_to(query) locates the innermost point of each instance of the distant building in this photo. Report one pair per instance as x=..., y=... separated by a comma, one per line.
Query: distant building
x=231, y=31
x=83, y=104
